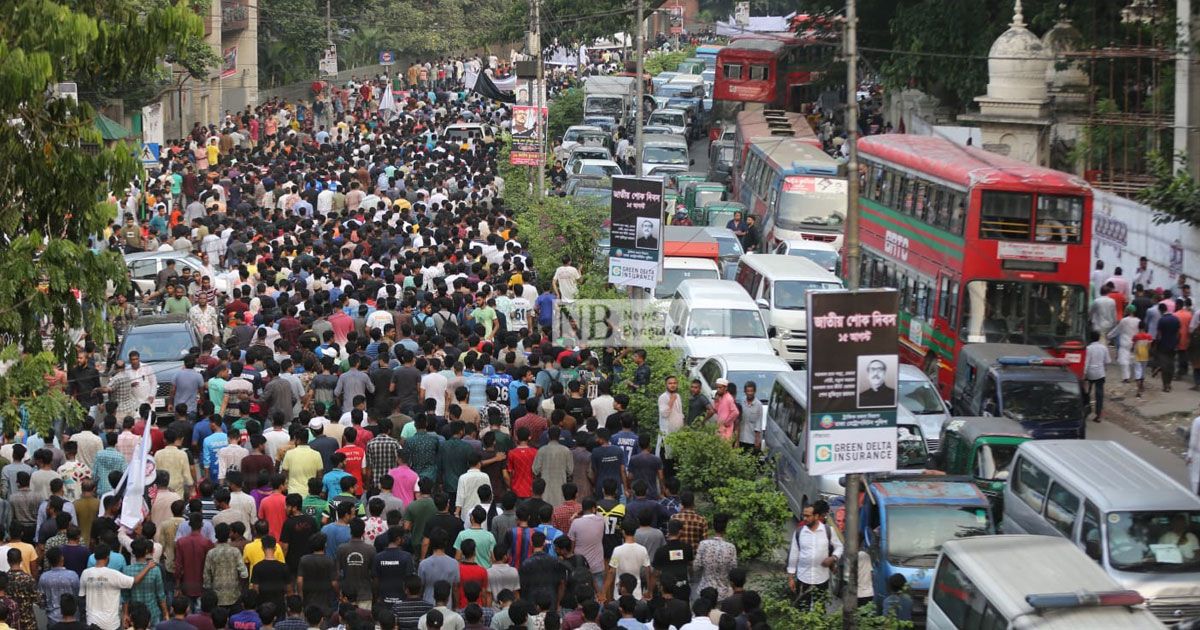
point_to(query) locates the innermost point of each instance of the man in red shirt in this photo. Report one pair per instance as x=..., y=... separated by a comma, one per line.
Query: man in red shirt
x=189, y=557
x=519, y=468
x=342, y=324
x=273, y=509
x=470, y=571
x=532, y=421
x=354, y=456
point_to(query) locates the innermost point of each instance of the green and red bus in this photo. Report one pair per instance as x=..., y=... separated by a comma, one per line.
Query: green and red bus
x=982, y=247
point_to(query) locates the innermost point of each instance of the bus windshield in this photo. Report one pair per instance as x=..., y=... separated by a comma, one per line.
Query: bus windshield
x=1151, y=542
x=664, y=155
x=1049, y=401
x=916, y=533
x=812, y=202
x=1043, y=314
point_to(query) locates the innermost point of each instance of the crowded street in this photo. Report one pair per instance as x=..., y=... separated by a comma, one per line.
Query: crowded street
x=685, y=316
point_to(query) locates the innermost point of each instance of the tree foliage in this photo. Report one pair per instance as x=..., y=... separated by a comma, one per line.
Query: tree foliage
x=758, y=515
x=1172, y=196
x=781, y=613
x=941, y=46
x=291, y=36
x=56, y=173
x=190, y=56
x=704, y=461
x=565, y=110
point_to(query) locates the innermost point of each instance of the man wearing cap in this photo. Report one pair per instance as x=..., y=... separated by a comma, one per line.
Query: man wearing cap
x=725, y=409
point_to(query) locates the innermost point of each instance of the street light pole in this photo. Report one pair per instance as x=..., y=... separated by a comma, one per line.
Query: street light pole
x=641, y=89
x=853, y=481
x=540, y=98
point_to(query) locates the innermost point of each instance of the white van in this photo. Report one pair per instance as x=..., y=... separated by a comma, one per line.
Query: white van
x=676, y=269
x=464, y=132
x=778, y=285
x=708, y=317
x=664, y=153
x=1140, y=525
x=1026, y=582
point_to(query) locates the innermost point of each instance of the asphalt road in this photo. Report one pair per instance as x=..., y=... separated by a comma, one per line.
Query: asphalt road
x=1170, y=463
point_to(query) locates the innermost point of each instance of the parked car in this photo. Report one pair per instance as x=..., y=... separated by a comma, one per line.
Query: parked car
x=823, y=254
x=586, y=153
x=739, y=368
x=674, y=119
x=595, y=168
x=144, y=268
x=161, y=342
x=598, y=189
x=920, y=396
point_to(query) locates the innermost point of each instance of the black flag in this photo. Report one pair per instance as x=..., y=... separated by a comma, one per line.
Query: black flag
x=483, y=84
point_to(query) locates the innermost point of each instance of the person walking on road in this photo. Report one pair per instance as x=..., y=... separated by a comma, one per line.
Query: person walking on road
x=1122, y=334
x=1095, y=366
x=1165, y=344
x=813, y=552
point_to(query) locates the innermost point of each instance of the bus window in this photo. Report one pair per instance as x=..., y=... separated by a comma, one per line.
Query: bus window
x=1039, y=313
x=1005, y=215
x=732, y=71
x=1030, y=484
x=919, y=201
x=1059, y=219
x=759, y=72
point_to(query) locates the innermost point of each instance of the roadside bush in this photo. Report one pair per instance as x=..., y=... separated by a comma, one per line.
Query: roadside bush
x=705, y=462
x=666, y=61
x=758, y=511
x=777, y=604
x=554, y=226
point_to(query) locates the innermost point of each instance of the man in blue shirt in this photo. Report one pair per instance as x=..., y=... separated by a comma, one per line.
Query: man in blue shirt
x=216, y=440
x=544, y=305
x=626, y=439
x=338, y=532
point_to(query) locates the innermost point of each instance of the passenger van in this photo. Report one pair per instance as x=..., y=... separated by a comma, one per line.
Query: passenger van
x=708, y=317
x=1138, y=523
x=663, y=153
x=1020, y=382
x=1027, y=582
x=779, y=285
x=787, y=415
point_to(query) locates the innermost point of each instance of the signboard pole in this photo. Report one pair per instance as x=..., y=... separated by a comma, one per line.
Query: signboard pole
x=853, y=481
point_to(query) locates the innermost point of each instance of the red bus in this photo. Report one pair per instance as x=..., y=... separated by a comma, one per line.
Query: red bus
x=982, y=248
x=764, y=124
x=776, y=70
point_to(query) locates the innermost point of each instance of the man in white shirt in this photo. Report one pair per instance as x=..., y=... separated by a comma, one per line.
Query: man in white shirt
x=670, y=413
x=700, y=619
x=143, y=382
x=102, y=586
x=433, y=385
x=1095, y=362
x=566, y=280
x=813, y=552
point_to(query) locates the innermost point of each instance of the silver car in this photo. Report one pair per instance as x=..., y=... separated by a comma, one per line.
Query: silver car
x=919, y=396
x=144, y=268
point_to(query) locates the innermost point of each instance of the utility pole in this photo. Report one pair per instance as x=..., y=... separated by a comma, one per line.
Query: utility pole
x=328, y=24
x=540, y=99
x=853, y=481
x=641, y=88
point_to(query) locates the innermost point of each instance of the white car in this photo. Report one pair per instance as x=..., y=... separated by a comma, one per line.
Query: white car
x=573, y=133
x=824, y=254
x=918, y=395
x=671, y=118
x=656, y=129
x=595, y=168
x=144, y=268
x=762, y=369
x=580, y=153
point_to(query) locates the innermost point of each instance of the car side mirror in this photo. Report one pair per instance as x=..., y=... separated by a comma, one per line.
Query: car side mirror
x=678, y=331
x=762, y=303
x=691, y=162
x=771, y=332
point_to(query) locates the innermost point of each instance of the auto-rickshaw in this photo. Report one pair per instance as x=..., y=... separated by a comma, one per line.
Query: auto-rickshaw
x=697, y=194
x=716, y=213
x=677, y=179
x=982, y=448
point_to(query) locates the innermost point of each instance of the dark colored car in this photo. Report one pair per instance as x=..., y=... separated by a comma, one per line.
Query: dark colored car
x=161, y=342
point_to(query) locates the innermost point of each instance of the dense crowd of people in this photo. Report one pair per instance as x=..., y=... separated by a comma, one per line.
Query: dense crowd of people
x=378, y=427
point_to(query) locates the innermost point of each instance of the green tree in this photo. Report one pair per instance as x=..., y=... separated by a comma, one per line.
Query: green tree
x=1172, y=196
x=758, y=515
x=564, y=111
x=291, y=36
x=56, y=174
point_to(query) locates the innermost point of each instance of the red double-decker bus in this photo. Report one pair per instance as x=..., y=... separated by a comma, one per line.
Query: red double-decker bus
x=763, y=124
x=776, y=70
x=982, y=248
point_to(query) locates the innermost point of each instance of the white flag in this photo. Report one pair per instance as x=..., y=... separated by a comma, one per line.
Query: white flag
x=387, y=104
x=140, y=466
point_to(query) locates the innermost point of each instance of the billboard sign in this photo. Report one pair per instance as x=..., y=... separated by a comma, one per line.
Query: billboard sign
x=527, y=129
x=635, y=253
x=853, y=370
